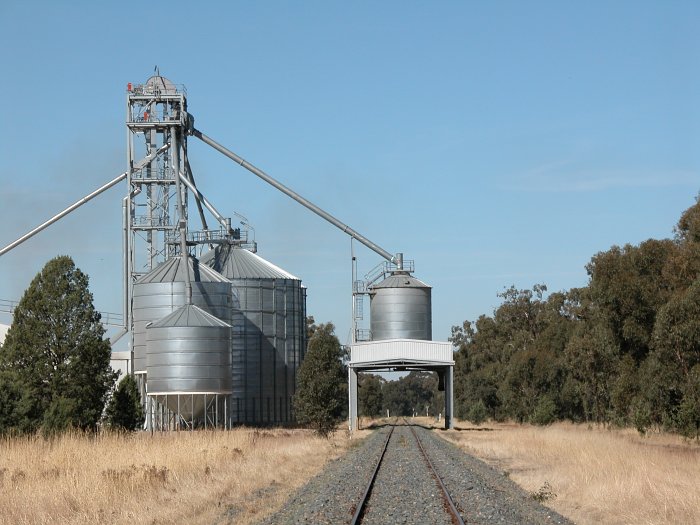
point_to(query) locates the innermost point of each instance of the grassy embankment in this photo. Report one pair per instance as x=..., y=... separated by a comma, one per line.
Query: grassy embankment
x=186, y=477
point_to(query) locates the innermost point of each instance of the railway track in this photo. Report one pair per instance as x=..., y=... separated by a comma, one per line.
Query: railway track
x=387, y=479
x=376, y=507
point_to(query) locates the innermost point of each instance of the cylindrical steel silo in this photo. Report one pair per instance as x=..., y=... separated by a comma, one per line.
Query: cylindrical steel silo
x=188, y=353
x=400, y=308
x=162, y=290
x=268, y=338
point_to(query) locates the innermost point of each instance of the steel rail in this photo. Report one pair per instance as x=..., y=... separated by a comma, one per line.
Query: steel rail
x=454, y=513
x=360, y=510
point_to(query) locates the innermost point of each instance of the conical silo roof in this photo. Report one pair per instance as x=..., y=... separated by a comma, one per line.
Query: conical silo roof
x=189, y=315
x=238, y=263
x=400, y=280
x=188, y=352
x=173, y=270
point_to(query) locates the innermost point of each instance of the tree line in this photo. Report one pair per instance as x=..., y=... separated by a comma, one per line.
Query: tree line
x=623, y=350
x=416, y=393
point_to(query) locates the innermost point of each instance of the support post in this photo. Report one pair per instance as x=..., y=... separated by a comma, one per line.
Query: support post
x=149, y=415
x=449, y=397
x=352, y=393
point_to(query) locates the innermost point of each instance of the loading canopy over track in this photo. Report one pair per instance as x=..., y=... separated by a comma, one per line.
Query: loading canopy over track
x=401, y=355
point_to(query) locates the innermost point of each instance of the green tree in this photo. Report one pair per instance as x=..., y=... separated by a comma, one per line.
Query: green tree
x=675, y=353
x=684, y=266
x=397, y=399
x=628, y=285
x=416, y=391
x=310, y=326
x=477, y=413
x=10, y=397
x=369, y=395
x=592, y=358
x=55, y=354
x=478, y=366
x=322, y=382
x=688, y=227
x=676, y=336
x=688, y=416
x=625, y=393
x=124, y=411
x=508, y=362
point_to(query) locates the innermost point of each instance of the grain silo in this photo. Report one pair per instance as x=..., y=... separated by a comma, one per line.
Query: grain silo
x=268, y=337
x=400, y=308
x=189, y=365
x=162, y=290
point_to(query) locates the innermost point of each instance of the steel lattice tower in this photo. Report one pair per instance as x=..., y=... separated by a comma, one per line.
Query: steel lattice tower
x=157, y=123
x=156, y=114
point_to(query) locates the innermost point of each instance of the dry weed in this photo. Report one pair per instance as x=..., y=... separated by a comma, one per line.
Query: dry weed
x=594, y=475
x=177, y=477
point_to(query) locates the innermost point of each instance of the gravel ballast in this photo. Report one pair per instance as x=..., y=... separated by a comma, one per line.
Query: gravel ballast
x=404, y=487
x=481, y=493
x=405, y=493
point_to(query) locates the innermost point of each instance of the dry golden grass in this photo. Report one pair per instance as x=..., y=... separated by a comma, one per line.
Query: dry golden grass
x=598, y=475
x=184, y=477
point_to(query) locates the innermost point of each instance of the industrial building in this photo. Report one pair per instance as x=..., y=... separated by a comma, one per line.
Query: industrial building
x=216, y=333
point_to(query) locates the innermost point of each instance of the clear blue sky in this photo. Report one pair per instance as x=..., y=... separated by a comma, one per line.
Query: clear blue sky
x=494, y=143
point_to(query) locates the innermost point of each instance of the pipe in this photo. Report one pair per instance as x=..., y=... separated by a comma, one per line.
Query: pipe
x=79, y=203
x=200, y=197
x=301, y=200
x=190, y=177
x=175, y=159
x=125, y=261
x=149, y=158
x=118, y=336
x=63, y=213
x=126, y=256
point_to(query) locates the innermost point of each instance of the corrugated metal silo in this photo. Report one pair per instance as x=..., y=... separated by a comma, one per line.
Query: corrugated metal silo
x=162, y=290
x=400, y=308
x=188, y=352
x=268, y=335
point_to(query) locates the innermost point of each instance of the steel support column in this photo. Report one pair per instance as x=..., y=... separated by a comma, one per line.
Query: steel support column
x=449, y=396
x=352, y=394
